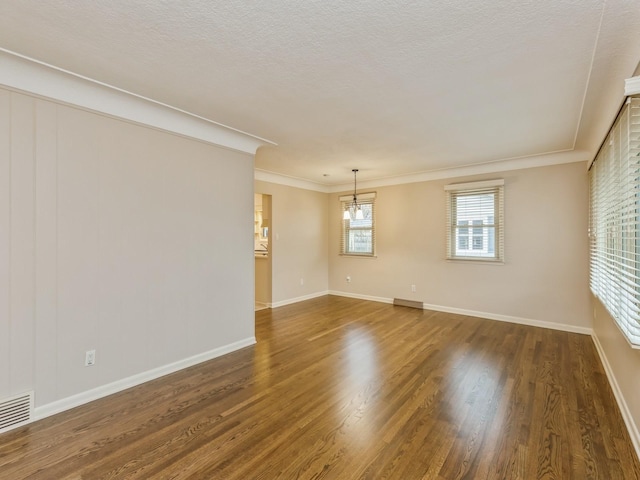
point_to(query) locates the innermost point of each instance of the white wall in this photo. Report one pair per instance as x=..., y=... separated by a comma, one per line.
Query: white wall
x=545, y=275
x=298, y=241
x=623, y=367
x=119, y=238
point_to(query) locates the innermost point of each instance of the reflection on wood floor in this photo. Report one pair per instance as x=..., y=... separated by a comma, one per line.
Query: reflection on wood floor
x=339, y=388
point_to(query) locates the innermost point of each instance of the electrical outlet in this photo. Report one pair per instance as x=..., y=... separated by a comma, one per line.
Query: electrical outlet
x=89, y=358
x=348, y=279
x=302, y=281
x=413, y=288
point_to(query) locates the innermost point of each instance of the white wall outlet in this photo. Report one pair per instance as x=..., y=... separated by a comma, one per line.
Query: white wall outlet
x=348, y=279
x=89, y=358
x=413, y=288
x=302, y=281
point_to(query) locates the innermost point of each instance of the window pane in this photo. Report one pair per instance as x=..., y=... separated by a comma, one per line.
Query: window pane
x=491, y=237
x=358, y=236
x=366, y=222
x=477, y=210
x=360, y=241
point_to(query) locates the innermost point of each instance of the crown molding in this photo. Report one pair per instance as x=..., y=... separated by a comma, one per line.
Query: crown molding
x=279, y=179
x=632, y=86
x=24, y=74
x=545, y=160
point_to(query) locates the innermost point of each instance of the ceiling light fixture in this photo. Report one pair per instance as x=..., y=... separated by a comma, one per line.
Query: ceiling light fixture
x=354, y=208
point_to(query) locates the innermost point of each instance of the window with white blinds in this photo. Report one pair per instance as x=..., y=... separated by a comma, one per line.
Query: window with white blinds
x=358, y=236
x=475, y=221
x=614, y=214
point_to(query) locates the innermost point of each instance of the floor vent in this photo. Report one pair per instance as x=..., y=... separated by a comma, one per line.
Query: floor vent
x=15, y=411
x=408, y=303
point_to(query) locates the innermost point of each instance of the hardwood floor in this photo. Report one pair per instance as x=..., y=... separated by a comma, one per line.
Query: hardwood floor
x=338, y=388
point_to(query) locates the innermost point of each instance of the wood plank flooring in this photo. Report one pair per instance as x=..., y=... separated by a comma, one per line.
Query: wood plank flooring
x=339, y=388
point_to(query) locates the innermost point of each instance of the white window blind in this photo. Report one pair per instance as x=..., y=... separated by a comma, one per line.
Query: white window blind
x=358, y=236
x=475, y=221
x=614, y=211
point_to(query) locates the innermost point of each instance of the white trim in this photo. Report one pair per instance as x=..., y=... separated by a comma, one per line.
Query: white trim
x=454, y=187
x=632, y=86
x=25, y=74
x=510, y=319
x=474, y=260
x=279, y=179
x=543, y=160
x=360, y=196
x=472, y=313
x=615, y=322
x=622, y=404
x=460, y=311
x=361, y=297
x=289, y=301
x=596, y=43
x=134, y=380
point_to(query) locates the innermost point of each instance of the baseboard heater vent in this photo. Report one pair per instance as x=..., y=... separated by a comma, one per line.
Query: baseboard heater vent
x=408, y=303
x=16, y=411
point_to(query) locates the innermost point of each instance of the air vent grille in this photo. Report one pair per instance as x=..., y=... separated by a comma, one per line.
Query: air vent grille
x=15, y=411
x=408, y=303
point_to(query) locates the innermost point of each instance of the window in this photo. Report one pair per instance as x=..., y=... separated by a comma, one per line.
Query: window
x=463, y=235
x=478, y=235
x=358, y=235
x=614, y=222
x=475, y=221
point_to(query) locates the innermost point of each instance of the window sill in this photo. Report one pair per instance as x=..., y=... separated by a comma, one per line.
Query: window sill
x=355, y=255
x=477, y=261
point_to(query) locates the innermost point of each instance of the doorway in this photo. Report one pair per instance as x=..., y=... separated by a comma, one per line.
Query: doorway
x=262, y=250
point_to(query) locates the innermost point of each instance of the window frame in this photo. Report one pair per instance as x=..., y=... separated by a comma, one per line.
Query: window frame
x=368, y=198
x=458, y=229
x=614, y=222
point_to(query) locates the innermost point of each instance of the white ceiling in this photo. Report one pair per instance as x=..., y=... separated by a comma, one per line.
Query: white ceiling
x=389, y=87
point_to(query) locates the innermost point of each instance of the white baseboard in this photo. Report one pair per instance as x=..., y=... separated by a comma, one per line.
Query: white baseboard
x=138, y=379
x=507, y=318
x=472, y=313
x=361, y=297
x=622, y=404
x=289, y=301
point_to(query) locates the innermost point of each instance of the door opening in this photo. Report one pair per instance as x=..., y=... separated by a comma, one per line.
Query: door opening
x=262, y=250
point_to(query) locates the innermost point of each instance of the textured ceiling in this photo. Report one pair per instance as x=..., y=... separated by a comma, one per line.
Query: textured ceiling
x=389, y=87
